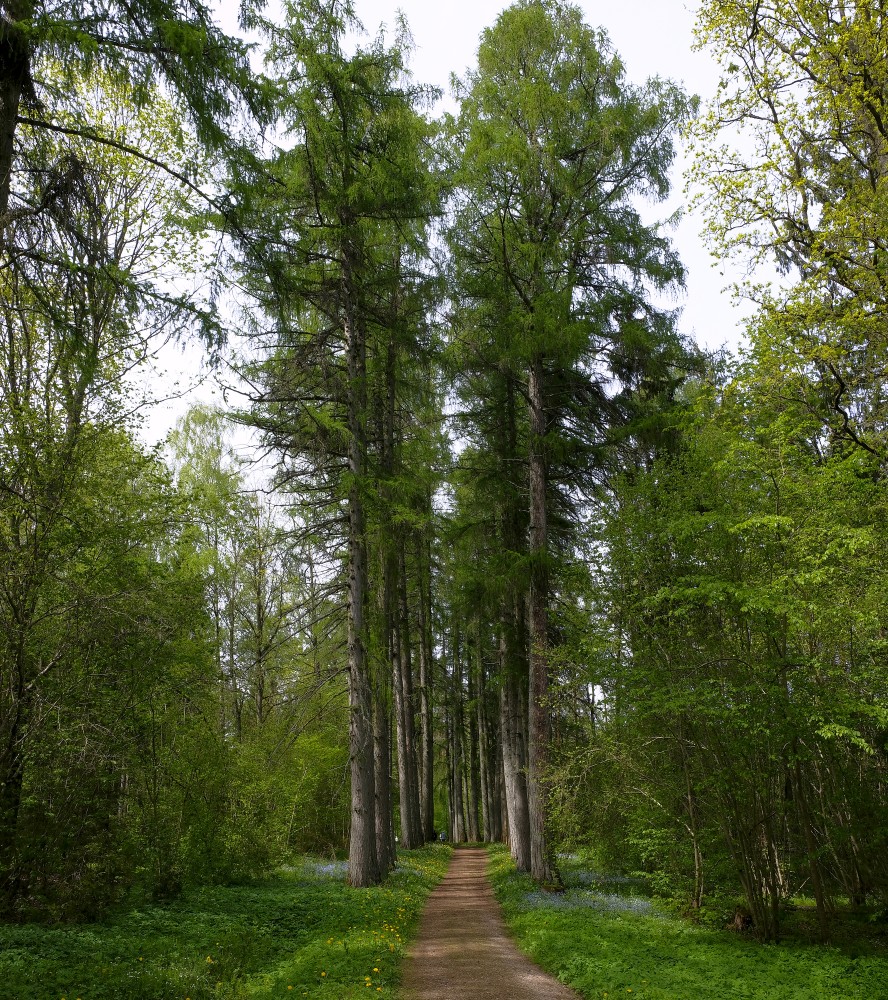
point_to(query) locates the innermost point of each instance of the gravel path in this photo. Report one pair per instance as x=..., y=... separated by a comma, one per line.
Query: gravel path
x=463, y=951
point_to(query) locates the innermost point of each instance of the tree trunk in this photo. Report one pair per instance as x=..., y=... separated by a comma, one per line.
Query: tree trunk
x=427, y=772
x=382, y=772
x=498, y=818
x=512, y=661
x=473, y=781
x=542, y=864
x=501, y=780
x=489, y=810
x=410, y=820
x=363, y=863
x=457, y=811
x=511, y=738
x=15, y=76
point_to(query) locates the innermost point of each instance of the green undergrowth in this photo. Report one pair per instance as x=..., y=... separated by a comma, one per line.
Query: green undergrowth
x=612, y=945
x=301, y=933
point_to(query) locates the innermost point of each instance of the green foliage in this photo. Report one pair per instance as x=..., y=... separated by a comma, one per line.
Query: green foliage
x=302, y=932
x=803, y=84
x=172, y=708
x=615, y=952
x=133, y=777
x=101, y=620
x=119, y=567
x=738, y=657
x=145, y=42
x=550, y=260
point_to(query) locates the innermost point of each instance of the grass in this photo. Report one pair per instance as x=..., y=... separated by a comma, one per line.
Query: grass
x=612, y=946
x=301, y=933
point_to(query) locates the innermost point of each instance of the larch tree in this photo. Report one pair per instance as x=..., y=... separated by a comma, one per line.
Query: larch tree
x=556, y=149
x=143, y=44
x=351, y=199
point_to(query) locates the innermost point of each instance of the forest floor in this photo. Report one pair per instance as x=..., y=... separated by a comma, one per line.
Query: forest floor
x=302, y=932
x=463, y=952
x=608, y=940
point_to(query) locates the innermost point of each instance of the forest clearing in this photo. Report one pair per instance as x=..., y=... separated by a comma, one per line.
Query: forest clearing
x=479, y=549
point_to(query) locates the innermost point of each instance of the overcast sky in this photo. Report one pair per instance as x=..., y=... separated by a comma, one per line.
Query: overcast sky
x=653, y=38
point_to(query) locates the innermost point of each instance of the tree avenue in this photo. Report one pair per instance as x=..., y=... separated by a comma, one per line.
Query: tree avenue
x=515, y=562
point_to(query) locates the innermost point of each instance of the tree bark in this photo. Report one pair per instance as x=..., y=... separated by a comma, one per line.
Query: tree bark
x=427, y=772
x=542, y=864
x=363, y=863
x=486, y=769
x=410, y=817
x=473, y=761
x=511, y=740
x=382, y=774
x=15, y=76
x=457, y=810
x=501, y=779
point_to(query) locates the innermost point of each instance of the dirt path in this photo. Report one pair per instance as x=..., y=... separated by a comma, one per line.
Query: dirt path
x=463, y=951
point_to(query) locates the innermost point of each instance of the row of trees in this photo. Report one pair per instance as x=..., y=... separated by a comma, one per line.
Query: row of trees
x=344, y=387
x=551, y=341
x=559, y=578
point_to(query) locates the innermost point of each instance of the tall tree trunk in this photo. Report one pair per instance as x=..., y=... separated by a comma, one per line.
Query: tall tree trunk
x=457, y=810
x=397, y=637
x=512, y=661
x=393, y=648
x=410, y=819
x=408, y=834
x=542, y=862
x=514, y=775
x=485, y=769
x=382, y=773
x=498, y=818
x=427, y=754
x=511, y=739
x=15, y=77
x=472, y=770
x=363, y=863
x=504, y=805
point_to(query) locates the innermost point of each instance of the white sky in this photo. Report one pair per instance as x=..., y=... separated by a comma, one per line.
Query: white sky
x=653, y=38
